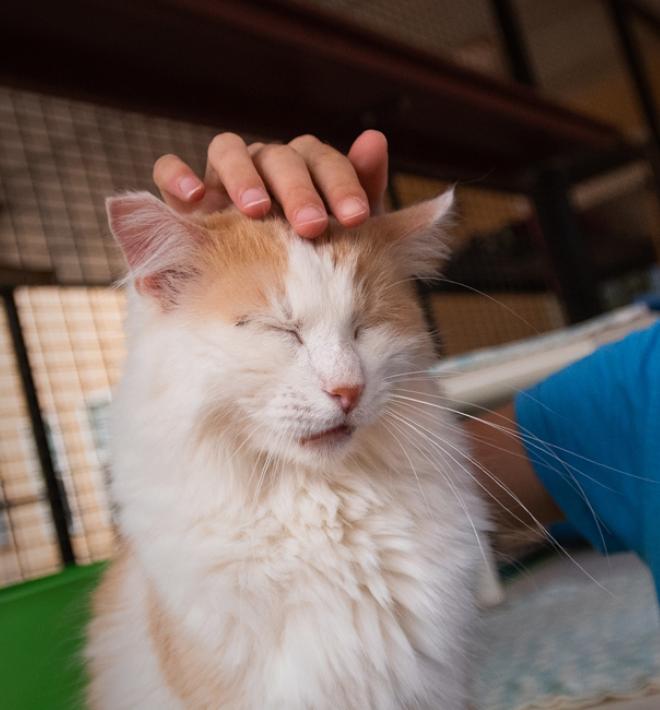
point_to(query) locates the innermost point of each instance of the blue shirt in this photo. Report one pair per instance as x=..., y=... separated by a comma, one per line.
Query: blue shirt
x=592, y=432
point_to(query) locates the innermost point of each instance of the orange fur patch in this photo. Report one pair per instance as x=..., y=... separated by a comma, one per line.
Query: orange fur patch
x=227, y=265
x=241, y=263
x=106, y=607
x=384, y=294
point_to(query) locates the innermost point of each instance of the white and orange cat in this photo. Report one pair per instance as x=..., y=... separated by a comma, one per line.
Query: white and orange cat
x=298, y=529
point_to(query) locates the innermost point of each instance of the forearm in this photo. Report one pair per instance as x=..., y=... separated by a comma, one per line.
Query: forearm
x=505, y=473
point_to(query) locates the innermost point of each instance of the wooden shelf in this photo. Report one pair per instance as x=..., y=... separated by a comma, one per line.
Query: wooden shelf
x=277, y=69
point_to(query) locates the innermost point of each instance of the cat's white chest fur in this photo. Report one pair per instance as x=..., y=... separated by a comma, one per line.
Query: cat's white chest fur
x=350, y=594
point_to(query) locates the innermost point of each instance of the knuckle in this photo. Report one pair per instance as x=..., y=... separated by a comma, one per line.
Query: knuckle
x=277, y=152
x=298, y=196
x=161, y=164
x=342, y=189
x=223, y=142
x=324, y=156
x=307, y=140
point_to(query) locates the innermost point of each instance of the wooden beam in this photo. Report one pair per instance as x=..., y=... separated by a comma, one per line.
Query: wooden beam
x=277, y=69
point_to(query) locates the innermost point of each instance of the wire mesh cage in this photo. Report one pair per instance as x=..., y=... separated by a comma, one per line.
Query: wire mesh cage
x=465, y=33
x=588, y=74
x=60, y=158
x=28, y=545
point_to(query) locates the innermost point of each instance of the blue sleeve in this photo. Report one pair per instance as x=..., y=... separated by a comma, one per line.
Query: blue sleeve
x=592, y=432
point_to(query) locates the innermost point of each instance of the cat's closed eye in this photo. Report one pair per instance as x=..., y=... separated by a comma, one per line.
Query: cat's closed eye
x=278, y=328
x=290, y=331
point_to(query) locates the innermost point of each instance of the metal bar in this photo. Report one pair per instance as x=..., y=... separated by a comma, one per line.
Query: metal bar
x=646, y=14
x=567, y=253
x=54, y=489
x=620, y=14
x=18, y=502
x=513, y=42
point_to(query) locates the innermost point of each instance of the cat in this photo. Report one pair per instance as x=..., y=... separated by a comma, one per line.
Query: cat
x=298, y=528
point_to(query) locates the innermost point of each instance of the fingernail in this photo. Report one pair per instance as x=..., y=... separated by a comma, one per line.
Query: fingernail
x=189, y=186
x=351, y=207
x=254, y=196
x=309, y=215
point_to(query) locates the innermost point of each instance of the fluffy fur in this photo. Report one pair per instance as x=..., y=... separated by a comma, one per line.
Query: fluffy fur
x=265, y=564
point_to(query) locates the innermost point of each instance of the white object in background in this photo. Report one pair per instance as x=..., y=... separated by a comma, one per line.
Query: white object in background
x=497, y=382
x=491, y=375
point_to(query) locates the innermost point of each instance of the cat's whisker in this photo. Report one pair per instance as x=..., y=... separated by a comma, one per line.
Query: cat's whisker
x=270, y=455
x=408, y=374
x=537, y=444
x=491, y=298
x=426, y=434
x=467, y=287
x=543, y=447
x=264, y=459
x=571, y=479
x=414, y=470
x=516, y=498
x=514, y=435
x=245, y=441
x=448, y=481
x=486, y=442
x=516, y=427
x=541, y=528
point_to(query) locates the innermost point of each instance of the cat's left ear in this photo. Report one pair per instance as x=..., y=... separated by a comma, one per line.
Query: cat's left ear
x=419, y=233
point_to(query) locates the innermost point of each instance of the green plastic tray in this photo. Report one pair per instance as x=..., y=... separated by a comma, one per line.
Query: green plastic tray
x=42, y=627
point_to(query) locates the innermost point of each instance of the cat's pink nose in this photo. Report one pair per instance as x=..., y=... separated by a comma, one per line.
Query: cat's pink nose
x=348, y=396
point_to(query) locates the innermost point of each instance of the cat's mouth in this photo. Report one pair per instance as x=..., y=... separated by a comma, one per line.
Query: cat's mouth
x=336, y=435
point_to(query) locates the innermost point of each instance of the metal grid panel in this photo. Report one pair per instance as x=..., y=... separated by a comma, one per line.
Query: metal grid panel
x=498, y=318
x=588, y=73
x=463, y=32
x=465, y=317
x=27, y=539
x=59, y=160
x=75, y=343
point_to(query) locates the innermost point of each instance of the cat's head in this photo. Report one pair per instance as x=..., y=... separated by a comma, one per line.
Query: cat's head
x=299, y=342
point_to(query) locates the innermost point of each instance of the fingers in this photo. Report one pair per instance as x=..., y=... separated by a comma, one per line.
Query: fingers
x=230, y=166
x=336, y=179
x=369, y=158
x=294, y=174
x=178, y=184
x=289, y=181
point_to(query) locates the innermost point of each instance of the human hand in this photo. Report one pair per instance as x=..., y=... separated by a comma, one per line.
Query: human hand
x=303, y=177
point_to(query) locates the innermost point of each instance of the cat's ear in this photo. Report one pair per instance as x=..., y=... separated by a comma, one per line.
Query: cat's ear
x=159, y=245
x=419, y=233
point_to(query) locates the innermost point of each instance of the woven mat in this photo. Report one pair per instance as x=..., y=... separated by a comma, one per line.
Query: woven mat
x=571, y=644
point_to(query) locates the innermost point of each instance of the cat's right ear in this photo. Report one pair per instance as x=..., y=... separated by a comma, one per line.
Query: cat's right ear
x=159, y=245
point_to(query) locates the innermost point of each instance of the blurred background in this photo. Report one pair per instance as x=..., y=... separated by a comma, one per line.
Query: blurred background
x=544, y=113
